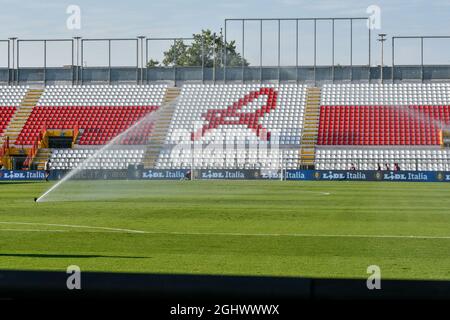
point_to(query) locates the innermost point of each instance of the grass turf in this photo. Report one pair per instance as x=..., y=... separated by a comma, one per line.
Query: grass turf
x=230, y=227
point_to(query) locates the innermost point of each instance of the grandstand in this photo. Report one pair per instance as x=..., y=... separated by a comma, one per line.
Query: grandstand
x=376, y=124
x=246, y=117
x=268, y=126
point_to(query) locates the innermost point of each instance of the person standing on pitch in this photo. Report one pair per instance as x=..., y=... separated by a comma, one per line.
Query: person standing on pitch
x=47, y=169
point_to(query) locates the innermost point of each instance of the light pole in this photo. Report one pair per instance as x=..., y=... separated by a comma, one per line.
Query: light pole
x=77, y=59
x=143, y=65
x=13, y=40
x=382, y=39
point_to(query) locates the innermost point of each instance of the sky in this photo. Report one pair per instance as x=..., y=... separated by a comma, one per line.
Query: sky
x=31, y=19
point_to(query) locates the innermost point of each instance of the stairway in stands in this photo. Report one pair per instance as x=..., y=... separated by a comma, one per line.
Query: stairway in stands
x=310, y=128
x=42, y=156
x=158, y=137
x=23, y=112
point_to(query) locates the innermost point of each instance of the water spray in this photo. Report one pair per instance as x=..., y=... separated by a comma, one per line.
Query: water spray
x=149, y=118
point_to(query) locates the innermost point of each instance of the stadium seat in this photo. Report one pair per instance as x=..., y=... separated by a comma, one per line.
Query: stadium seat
x=100, y=112
x=6, y=113
x=252, y=117
x=383, y=115
x=414, y=159
x=94, y=159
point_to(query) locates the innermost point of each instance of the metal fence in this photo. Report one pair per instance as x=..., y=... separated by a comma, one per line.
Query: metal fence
x=139, y=72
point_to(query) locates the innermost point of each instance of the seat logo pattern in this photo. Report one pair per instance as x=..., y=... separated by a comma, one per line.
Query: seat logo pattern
x=232, y=116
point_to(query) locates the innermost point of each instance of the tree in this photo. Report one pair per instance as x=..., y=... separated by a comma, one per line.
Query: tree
x=152, y=63
x=206, y=43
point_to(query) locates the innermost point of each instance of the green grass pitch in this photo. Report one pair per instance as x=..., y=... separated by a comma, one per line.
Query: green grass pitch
x=231, y=227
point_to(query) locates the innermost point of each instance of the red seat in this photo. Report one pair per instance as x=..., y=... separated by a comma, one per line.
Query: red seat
x=108, y=121
x=6, y=113
x=381, y=125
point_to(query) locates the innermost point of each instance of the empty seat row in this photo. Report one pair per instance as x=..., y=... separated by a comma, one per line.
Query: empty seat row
x=386, y=94
x=103, y=95
x=270, y=159
x=12, y=95
x=415, y=159
x=114, y=159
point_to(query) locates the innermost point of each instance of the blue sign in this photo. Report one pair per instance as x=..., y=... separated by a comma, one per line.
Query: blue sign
x=299, y=175
x=400, y=176
x=344, y=175
x=227, y=174
x=164, y=174
x=270, y=174
x=17, y=175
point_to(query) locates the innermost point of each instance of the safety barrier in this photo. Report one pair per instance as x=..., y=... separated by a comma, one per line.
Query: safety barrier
x=183, y=174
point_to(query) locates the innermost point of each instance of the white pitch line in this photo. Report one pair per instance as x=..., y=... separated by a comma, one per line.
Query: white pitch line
x=230, y=234
x=34, y=230
x=71, y=226
x=299, y=235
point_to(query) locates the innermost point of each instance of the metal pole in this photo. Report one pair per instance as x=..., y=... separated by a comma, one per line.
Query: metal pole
x=82, y=60
x=203, y=59
x=332, y=50
x=351, y=50
x=382, y=60
x=9, y=62
x=260, y=51
x=315, y=51
x=17, y=79
x=45, y=62
x=214, y=58
x=279, y=50
x=393, y=58
x=175, y=63
x=370, y=53
x=243, y=50
x=296, y=50
x=138, y=77
x=109, y=61
x=225, y=55
x=421, y=59
x=73, y=81
x=76, y=60
x=143, y=62
x=146, y=60
x=382, y=39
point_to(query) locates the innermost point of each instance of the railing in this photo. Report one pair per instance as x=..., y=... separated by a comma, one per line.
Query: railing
x=76, y=132
x=4, y=153
x=35, y=149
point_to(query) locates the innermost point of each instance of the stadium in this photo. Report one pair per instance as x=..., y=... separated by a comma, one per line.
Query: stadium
x=226, y=160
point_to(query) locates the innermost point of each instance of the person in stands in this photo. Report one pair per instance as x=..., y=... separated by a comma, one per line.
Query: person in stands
x=187, y=176
x=386, y=165
x=352, y=167
x=379, y=167
x=396, y=167
x=47, y=169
